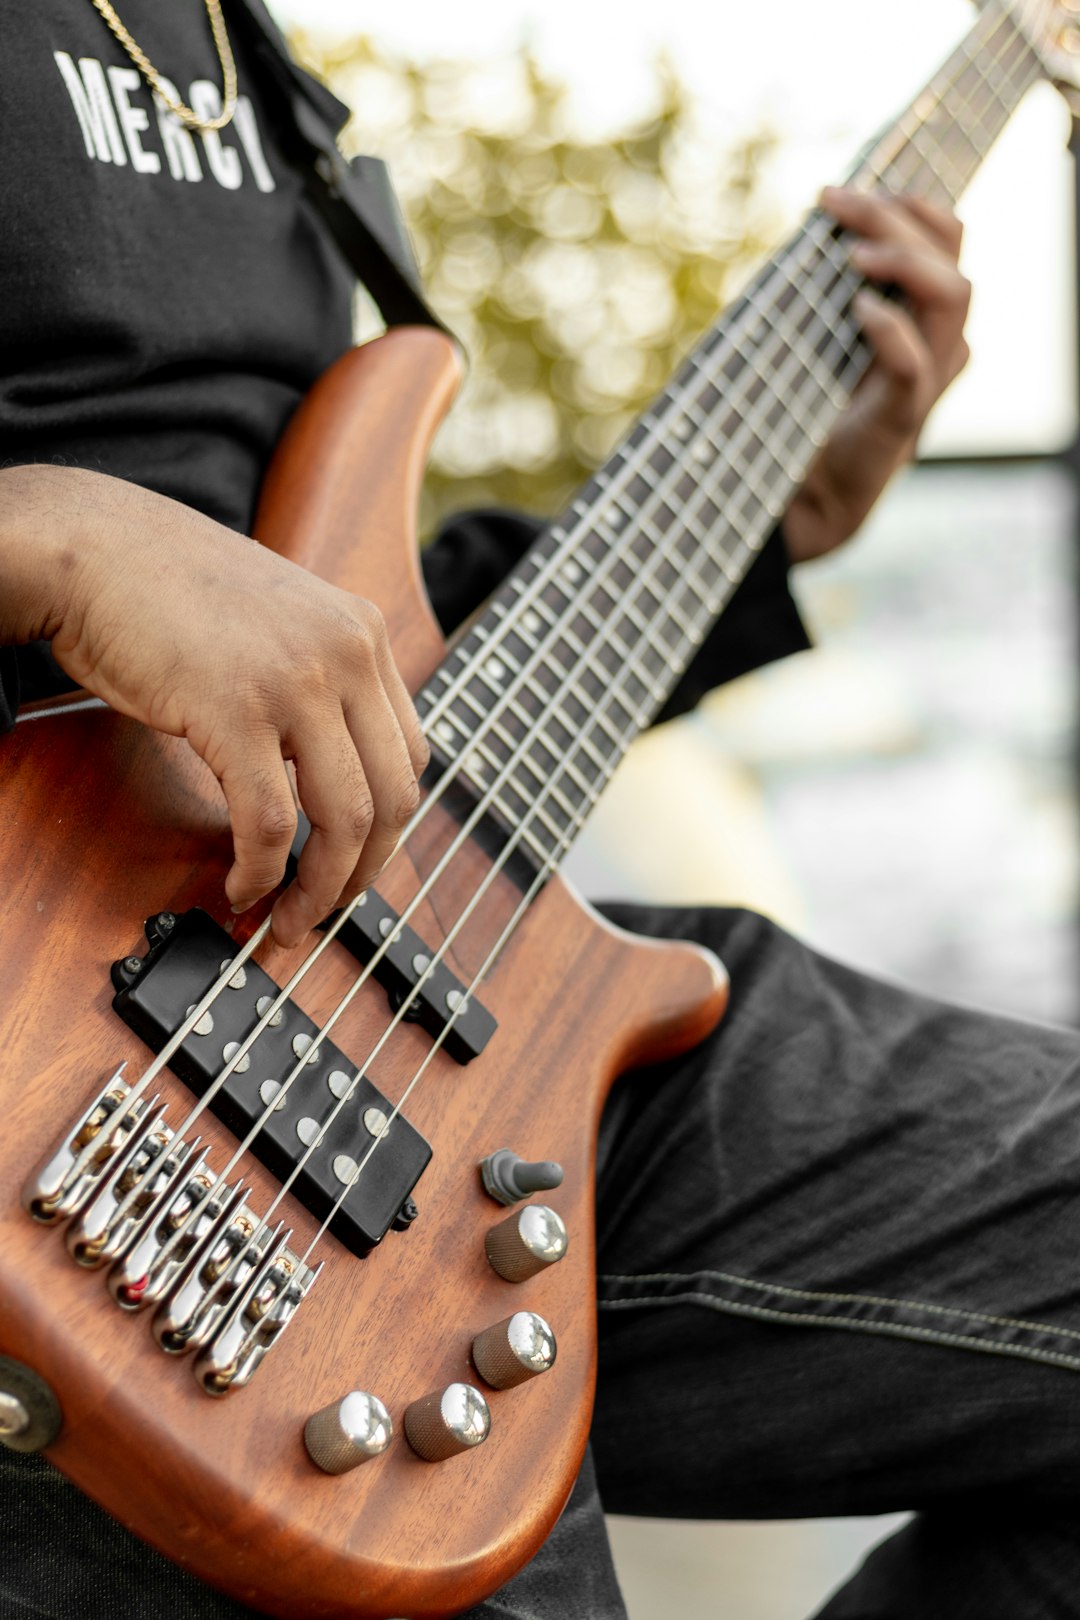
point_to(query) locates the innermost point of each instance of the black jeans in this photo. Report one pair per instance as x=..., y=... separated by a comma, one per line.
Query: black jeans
x=839, y=1257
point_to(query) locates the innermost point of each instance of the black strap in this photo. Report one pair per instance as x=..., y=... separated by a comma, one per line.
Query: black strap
x=355, y=199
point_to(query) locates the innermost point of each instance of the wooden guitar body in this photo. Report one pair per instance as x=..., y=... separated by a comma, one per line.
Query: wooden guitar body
x=106, y=823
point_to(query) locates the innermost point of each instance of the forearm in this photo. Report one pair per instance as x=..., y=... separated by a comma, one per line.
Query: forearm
x=43, y=510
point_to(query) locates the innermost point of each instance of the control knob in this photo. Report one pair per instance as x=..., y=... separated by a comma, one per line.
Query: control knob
x=526, y=1243
x=348, y=1432
x=514, y=1350
x=453, y=1419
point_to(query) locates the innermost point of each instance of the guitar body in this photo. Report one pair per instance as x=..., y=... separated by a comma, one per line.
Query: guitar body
x=106, y=823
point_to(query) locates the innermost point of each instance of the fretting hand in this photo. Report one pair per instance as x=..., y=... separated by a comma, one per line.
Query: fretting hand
x=918, y=349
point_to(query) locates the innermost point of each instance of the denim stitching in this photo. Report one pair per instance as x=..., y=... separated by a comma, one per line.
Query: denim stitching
x=888, y=1329
x=849, y=1299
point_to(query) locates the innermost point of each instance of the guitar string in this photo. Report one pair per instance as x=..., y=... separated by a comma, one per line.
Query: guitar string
x=311, y=1051
x=540, y=878
x=492, y=956
x=551, y=860
x=232, y=968
x=772, y=270
x=210, y=996
x=230, y=971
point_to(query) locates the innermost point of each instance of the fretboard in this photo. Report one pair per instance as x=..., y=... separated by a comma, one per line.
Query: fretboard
x=584, y=644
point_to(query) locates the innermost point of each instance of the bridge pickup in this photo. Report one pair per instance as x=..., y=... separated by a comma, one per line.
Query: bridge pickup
x=154, y=993
x=442, y=1000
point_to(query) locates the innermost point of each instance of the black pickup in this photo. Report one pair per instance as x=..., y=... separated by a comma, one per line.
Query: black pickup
x=154, y=993
x=442, y=1002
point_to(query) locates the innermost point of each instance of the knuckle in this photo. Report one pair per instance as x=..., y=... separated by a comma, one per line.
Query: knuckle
x=371, y=620
x=405, y=801
x=358, y=817
x=274, y=823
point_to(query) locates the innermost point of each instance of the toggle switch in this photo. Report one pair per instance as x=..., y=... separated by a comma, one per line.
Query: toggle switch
x=508, y=1178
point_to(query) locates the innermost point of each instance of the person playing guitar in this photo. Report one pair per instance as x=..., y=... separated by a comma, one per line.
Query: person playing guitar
x=838, y=1155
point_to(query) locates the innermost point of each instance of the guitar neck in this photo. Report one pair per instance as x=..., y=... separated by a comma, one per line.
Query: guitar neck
x=583, y=645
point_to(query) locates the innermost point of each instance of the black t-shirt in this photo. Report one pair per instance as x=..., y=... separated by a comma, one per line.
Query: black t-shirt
x=167, y=298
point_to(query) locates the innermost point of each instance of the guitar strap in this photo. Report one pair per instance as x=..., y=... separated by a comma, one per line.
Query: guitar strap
x=356, y=198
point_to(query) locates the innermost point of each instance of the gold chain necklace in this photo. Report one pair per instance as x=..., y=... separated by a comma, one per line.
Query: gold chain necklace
x=190, y=119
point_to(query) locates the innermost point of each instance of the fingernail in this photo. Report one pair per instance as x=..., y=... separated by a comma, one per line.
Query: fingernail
x=868, y=302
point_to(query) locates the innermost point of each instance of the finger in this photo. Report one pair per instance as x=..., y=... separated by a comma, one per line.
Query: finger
x=338, y=801
x=381, y=746
x=875, y=215
x=926, y=277
x=942, y=223
x=404, y=709
x=895, y=340
x=263, y=816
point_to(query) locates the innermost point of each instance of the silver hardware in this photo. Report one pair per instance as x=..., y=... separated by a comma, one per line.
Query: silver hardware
x=307, y=1129
x=527, y=1243
x=263, y=1006
x=239, y=978
x=302, y=1045
x=14, y=1418
x=348, y=1432
x=89, y=1228
x=513, y=1351
x=30, y=1417
x=197, y=1294
x=345, y=1168
x=375, y=1122
x=456, y=1001
x=420, y=962
x=179, y=1238
x=206, y=1022
x=261, y=1307
x=229, y=1051
x=451, y=1420
x=70, y=1174
x=268, y=1091
x=340, y=1083
x=166, y=1165
x=180, y=1192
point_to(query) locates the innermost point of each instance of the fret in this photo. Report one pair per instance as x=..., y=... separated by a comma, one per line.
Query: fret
x=482, y=759
x=814, y=363
x=933, y=158
x=585, y=642
x=559, y=749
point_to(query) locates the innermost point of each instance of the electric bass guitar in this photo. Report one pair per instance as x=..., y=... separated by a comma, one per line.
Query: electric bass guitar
x=298, y=1247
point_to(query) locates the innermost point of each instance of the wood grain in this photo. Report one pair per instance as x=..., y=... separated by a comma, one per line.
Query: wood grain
x=105, y=823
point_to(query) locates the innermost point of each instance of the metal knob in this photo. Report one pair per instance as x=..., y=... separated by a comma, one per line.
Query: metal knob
x=348, y=1432
x=528, y=1242
x=14, y=1418
x=451, y=1420
x=515, y=1350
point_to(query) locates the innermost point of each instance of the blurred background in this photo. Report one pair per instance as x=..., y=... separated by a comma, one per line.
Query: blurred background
x=586, y=187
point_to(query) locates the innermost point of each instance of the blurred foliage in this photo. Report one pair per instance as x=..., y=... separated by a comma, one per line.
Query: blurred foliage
x=576, y=271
